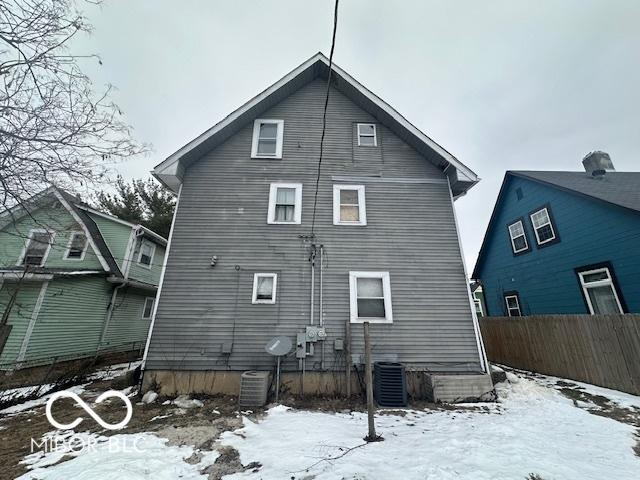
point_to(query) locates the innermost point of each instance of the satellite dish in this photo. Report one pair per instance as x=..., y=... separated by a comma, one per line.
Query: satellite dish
x=278, y=346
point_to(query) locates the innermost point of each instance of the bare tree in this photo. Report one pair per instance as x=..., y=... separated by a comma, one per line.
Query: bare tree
x=54, y=127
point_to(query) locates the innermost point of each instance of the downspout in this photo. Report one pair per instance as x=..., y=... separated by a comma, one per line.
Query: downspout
x=312, y=259
x=128, y=258
x=107, y=318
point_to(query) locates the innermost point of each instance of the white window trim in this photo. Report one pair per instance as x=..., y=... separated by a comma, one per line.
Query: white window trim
x=477, y=302
x=550, y=223
x=600, y=283
x=28, y=240
x=353, y=295
x=144, y=307
x=506, y=301
x=362, y=207
x=254, y=295
x=153, y=253
x=256, y=134
x=70, y=242
x=524, y=234
x=297, y=214
x=375, y=134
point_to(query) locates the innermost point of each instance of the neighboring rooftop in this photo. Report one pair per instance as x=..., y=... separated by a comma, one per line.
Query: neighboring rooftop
x=619, y=188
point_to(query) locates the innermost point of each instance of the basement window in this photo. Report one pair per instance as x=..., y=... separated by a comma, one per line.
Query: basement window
x=147, y=311
x=77, y=246
x=267, y=138
x=512, y=303
x=600, y=292
x=367, y=135
x=542, y=226
x=285, y=203
x=370, y=297
x=264, y=288
x=37, y=248
x=349, y=205
x=145, y=257
x=518, y=237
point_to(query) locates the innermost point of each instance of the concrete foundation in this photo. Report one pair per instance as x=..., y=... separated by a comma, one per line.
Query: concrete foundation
x=420, y=385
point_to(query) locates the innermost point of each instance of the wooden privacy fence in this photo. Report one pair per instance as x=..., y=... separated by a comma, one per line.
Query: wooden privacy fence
x=599, y=349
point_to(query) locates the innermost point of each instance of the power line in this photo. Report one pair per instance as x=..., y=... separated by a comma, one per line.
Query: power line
x=324, y=115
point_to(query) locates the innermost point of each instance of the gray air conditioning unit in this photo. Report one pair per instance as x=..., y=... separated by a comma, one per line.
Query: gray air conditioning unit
x=389, y=384
x=254, y=387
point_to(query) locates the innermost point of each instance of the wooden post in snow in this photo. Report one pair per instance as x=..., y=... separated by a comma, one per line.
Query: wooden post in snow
x=371, y=437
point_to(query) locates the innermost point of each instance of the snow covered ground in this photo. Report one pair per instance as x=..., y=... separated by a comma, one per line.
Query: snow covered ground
x=532, y=429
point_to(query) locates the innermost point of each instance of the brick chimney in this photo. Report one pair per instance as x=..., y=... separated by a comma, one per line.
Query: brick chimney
x=597, y=163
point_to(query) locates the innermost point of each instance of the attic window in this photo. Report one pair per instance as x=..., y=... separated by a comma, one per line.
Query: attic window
x=367, y=135
x=77, y=246
x=145, y=257
x=542, y=226
x=267, y=138
x=37, y=248
x=518, y=238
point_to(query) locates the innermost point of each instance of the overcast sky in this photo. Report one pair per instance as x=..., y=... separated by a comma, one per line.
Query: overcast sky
x=500, y=84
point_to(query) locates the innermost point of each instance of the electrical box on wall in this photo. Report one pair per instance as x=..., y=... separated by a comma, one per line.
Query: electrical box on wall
x=338, y=344
x=315, y=334
x=301, y=345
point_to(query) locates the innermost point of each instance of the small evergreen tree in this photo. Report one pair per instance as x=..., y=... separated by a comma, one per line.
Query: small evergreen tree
x=140, y=201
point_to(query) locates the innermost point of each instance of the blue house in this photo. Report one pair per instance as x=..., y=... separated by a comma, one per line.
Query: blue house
x=563, y=243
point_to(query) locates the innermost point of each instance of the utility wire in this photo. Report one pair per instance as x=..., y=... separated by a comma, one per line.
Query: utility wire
x=324, y=115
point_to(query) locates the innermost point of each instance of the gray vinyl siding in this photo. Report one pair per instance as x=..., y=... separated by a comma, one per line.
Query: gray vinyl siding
x=410, y=233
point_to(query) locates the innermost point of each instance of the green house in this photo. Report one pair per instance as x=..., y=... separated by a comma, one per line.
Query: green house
x=74, y=282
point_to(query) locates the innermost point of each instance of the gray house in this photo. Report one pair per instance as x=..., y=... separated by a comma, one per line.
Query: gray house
x=248, y=260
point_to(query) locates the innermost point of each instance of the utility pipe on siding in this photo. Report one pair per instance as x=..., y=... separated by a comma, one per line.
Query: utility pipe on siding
x=107, y=317
x=321, y=313
x=312, y=259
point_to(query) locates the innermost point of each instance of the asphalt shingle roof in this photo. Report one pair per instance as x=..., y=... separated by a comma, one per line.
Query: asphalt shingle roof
x=619, y=188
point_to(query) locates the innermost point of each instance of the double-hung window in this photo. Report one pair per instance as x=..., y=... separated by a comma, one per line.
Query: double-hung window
x=267, y=138
x=147, y=310
x=264, y=287
x=77, y=246
x=37, y=248
x=370, y=297
x=518, y=237
x=349, y=205
x=542, y=226
x=145, y=257
x=600, y=291
x=512, y=302
x=285, y=203
x=367, y=135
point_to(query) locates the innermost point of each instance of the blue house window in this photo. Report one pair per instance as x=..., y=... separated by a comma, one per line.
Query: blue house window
x=518, y=238
x=543, y=226
x=512, y=304
x=600, y=291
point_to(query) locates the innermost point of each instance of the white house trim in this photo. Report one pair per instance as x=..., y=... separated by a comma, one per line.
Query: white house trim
x=169, y=171
x=70, y=242
x=28, y=241
x=608, y=282
x=353, y=297
x=123, y=222
x=162, y=273
x=254, y=295
x=79, y=221
x=362, y=207
x=271, y=211
x=256, y=136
